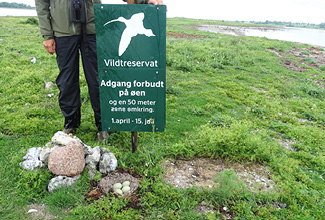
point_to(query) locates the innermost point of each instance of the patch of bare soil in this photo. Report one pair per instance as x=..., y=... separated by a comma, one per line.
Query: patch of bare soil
x=187, y=36
x=201, y=172
x=313, y=57
x=204, y=208
x=37, y=211
x=287, y=143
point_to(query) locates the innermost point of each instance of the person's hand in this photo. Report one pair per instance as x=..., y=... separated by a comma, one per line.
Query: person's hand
x=156, y=2
x=49, y=46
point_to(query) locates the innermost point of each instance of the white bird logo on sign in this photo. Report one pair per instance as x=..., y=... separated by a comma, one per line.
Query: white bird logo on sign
x=134, y=26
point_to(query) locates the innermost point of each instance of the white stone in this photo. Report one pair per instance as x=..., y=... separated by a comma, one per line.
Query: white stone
x=31, y=159
x=33, y=60
x=92, y=169
x=32, y=210
x=45, y=153
x=62, y=138
x=31, y=165
x=32, y=153
x=61, y=181
x=88, y=149
x=48, y=85
x=94, y=157
x=107, y=163
x=104, y=150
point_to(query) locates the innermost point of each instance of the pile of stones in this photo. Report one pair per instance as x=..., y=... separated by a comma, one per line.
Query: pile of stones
x=67, y=157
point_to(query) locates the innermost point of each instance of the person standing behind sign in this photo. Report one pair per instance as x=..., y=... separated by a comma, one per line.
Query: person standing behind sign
x=68, y=28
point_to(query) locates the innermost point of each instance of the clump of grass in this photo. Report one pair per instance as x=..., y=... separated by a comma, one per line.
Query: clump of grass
x=322, y=67
x=309, y=60
x=31, y=21
x=304, y=52
x=33, y=185
x=219, y=120
x=228, y=187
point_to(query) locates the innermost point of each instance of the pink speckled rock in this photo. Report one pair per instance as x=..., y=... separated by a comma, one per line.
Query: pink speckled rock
x=68, y=160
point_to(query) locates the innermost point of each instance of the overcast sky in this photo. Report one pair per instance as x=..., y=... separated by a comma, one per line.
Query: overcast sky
x=308, y=11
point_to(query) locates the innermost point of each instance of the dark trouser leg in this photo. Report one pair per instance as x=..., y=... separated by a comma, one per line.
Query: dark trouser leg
x=67, y=56
x=91, y=73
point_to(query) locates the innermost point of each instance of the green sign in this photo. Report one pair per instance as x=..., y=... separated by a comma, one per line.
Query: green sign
x=131, y=48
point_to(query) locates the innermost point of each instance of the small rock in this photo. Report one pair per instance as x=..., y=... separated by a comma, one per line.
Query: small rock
x=31, y=159
x=61, y=181
x=283, y=205
x=104, y=150
x=62, y=138
x=32, y=153
x=94, y=156
x=88, y=150
x=108, y=162
x=45, y=153
x=92, y=169
x=32, y=210
x=33, y=60
x=48, y=85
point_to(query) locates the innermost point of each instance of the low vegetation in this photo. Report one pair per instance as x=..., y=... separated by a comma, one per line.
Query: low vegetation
x=228, y=97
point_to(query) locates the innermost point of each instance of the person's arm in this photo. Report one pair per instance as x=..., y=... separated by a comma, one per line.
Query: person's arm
x=154, y=2
x=44, y=18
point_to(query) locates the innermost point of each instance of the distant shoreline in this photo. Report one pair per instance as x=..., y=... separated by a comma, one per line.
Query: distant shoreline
x=294, y=34
x=18, y=8
x=17, y=12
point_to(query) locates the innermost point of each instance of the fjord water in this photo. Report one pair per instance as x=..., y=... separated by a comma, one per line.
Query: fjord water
x=300, y=35
x=17, y=12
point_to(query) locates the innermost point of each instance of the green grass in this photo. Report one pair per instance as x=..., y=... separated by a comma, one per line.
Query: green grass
x=227, y=97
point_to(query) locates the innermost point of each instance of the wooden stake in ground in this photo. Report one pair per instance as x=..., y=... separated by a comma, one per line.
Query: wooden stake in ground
x=134, y=139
